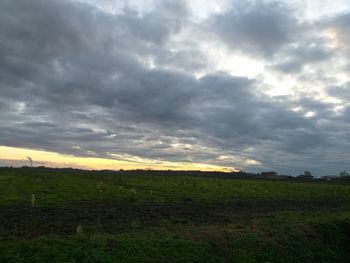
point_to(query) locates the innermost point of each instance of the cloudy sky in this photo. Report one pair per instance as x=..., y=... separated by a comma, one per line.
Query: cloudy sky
x=221, y=85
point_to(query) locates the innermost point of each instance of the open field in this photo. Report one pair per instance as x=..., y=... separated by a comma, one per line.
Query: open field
x=75, y=216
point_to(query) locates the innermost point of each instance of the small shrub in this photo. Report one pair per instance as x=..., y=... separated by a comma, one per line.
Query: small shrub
x=32, y=201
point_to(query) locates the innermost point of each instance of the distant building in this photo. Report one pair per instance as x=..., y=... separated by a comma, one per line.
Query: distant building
x=306, y=175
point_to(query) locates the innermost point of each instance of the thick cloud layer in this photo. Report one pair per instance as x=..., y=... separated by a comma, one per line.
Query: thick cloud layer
x=256, y=27
x=77, y=79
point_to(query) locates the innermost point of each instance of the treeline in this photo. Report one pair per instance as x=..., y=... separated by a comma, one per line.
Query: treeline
x=343, y=176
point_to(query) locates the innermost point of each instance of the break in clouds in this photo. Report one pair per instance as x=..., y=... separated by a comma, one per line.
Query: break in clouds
x=254, y=85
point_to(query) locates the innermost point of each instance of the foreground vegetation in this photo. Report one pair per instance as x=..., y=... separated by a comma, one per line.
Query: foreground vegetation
x=77, y=216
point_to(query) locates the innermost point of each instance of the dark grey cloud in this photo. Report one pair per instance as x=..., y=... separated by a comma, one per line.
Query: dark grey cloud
x=274, y=32
x=75, y=79
x=341, y=92
x=256, y=27
x=184, y=57
x=294, y=59
x=341, y=25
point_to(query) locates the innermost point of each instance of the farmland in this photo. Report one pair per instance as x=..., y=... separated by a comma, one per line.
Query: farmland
x=87, y=216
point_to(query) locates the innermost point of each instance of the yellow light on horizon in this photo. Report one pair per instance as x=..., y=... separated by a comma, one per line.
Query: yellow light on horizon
x=53, y=159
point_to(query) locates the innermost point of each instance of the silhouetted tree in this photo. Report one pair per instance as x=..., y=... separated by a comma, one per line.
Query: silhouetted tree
x=307, y=174
x=344, y=173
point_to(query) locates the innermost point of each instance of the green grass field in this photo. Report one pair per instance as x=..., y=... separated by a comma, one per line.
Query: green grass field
x=55, y=216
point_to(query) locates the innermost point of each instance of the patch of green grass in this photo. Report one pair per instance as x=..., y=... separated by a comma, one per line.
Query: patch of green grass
x=57, y=188
x=321, y=243
x=314, y=243
x=109, y=249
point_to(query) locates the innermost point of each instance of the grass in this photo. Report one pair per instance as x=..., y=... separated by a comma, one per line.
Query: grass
x=54, y=188
x=55, y=216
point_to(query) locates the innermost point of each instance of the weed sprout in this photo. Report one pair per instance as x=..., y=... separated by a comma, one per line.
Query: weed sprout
x=79, y=231
x=32, y=201
x=101, y=186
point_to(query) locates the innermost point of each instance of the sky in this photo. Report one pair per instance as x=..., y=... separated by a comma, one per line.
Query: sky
x=172, y=84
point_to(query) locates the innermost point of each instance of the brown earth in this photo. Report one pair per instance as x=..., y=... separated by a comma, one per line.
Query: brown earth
x=109, y=217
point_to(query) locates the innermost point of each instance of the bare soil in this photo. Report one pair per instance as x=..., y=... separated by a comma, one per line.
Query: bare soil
x=110, y=217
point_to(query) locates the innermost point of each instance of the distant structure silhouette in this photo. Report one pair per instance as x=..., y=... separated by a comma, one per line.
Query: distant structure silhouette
x=30, y=160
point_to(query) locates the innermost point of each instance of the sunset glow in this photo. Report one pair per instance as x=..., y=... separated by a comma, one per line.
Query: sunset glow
x=17, y=156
